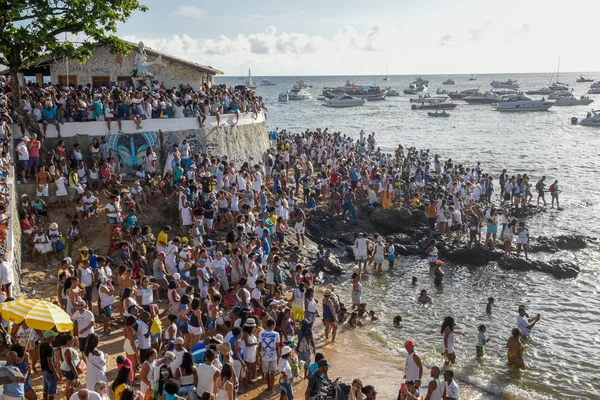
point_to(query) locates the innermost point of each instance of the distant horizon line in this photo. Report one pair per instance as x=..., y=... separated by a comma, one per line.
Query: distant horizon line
x=418, y=74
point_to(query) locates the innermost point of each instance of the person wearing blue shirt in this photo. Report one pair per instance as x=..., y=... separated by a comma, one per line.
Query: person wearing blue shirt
x=49, y=117
x=16, y=389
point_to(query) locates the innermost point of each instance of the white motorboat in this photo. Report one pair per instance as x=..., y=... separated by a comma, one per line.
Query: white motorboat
x=543, y=91
x=429, y=99
x=508, y=84
x=506, y=92
x=392, y=92
x=573, y=101
x=266, y=82
x=595, y=85
x=299, y=94
x=559, y=94
x=250, y=83
x=594, y=90
x=441, y=91
x=448, y=82
x=370, y=93
x=472, y=78
x=300, y=84
x=283, y=98
x=344, y=100
x=483, y=98
x=522, y=103
x=463, y=94
x=592, y=119
x=415, y=88
x=584, y=79
x=421, y=81
x=321, y=98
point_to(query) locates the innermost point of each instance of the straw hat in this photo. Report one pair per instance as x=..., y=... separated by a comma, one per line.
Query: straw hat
x=250, y=323
x=327, y=293
x=54, y=225
x=225, y=348
x=178, y=340
x=286, y=350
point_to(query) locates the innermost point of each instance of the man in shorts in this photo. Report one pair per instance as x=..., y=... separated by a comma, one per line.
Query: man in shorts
x=300, y=219
x=268, y=345
x=23, y=157
x=361, y=246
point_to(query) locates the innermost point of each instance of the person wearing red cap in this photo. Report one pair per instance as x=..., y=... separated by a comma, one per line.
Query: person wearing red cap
x=413, y=368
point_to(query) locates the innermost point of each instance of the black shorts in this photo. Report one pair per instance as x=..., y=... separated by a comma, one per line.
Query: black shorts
x=455, y=228
x=87, y=296
x=432, y=222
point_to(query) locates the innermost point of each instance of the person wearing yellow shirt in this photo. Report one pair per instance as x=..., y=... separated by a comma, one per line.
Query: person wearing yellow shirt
x=162, y=239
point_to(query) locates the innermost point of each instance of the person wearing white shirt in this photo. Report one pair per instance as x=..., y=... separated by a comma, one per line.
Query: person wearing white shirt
x=85, y=322
x=451, y=391
x=219, y=265
x=525, y=323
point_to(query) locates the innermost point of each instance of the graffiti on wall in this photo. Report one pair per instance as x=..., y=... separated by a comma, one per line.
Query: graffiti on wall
x=131, y=149
x=197, y=146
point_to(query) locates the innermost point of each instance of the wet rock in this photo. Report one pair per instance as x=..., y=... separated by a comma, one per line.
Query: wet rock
x=408, y=250
x=561, y=269
x=562, y=242
x=391, y=220
x=529, y=211
x=400, y=238
x=472, y=255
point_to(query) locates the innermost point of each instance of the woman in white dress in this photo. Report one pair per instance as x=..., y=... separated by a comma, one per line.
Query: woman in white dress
x=249, y=349
x=147, y=373
x=61, y=189
x=96, y=362
x=150, y=160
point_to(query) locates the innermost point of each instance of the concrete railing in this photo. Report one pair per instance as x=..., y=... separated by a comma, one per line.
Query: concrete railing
x=99, y=128
x=13, y=238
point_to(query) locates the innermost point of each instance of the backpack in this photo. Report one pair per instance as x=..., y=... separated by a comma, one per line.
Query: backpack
x=304, y=345
x=552, y=189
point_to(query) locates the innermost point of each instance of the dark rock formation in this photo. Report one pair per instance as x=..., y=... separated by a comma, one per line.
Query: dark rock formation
x=559, y=268
x=472, y=255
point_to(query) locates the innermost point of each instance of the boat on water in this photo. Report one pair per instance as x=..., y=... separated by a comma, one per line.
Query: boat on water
x=441, y=91
x=522, y=103
x=429, y=99
x=370, y=93
x=557, y=85
x=472, y=78
x=483, y=98
x=300, y=84
x=543, y=91
x=387, y=76
x=299, y=94
x=344, y=100
x=595, y=85
x=448, y=82
x=283, y=98
x=584, y=79
x=592, y=119
x=442, y=114
x=421, y=81
x=463, y=94
x=573, y=101
x=434, y=106
x=392, y=92
x=266, y=82
x=250, y=83
x=508, y=84
x=415, y=88
x=559, y=94
x=594, y=91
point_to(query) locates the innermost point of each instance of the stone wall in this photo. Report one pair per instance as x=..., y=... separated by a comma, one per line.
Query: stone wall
x=239, y=142
x=103, y=63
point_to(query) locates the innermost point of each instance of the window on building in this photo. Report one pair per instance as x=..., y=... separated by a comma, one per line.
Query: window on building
x=124, y=81
x=98, y=81
x=62, y=80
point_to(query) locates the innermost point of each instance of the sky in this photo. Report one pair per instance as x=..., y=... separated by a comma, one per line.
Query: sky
x=351, y=37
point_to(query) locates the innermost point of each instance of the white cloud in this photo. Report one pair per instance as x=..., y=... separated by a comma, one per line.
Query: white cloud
x=444, y=40
x=477, y=33
x=270, y=51
x=188, y=12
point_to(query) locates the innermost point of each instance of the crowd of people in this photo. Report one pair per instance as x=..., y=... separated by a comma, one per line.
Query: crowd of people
x=222, y=297
x=55, y=105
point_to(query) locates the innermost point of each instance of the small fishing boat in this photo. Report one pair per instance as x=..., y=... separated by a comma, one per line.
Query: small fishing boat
x=573, y=101
x=434, y=106
x=250, y=83
x=592, y=119
x=448, y=82
x=584, y=79
x=343, y=101
x=283, y=98
x=472, y=78
x=442, y=114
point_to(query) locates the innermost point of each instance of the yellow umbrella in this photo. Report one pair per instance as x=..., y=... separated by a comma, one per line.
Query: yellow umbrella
x=38, y=314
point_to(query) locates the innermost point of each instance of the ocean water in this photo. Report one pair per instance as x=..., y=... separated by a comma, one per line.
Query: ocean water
x=564, y=349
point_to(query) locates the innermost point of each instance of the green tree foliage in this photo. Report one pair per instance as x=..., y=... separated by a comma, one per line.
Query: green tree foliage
x=32, y=29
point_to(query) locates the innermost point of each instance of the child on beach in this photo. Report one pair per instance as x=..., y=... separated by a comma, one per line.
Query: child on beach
x=482, y=340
